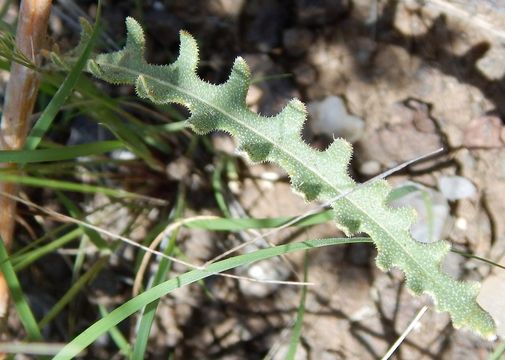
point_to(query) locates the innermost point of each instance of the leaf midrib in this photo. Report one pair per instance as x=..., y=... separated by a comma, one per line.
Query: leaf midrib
x=261, y=135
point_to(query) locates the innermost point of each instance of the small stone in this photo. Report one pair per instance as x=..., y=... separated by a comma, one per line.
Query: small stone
x=268, y=19
x=492, y=64
x=270, y=176
x=370, y=167
x=305, y=75
x=412, y=5
x=456, y=187
x=229, y=7
x=359, y=254
x=488, y=299
x=365, y=48
x=266, y=270
x=320, y=12
x=254, y=95
x=283, y=350
x=453, y=264
x=179, y=169
x=330, y=117
x=483, y=132
x=224, y=143
x=275, y=93
x=158, y=6
x=235, y=186
x=122, y=154
x=421, y=116
x=410, y=22
x=84, y=131
x=502, y=135
x=296, y=41
x=461, y=223
x=432, y=213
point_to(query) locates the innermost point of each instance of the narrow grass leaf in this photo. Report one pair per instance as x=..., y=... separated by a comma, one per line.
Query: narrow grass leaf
x=217, y=186
x=68, y=186
x=46, y=118
x=73, y=291
x=30, y=257
x=228, y=224
x=74, y=211
x=31, y=348
x=93, y=332
x=172, y=127
x=297, y=329
x=58, y=154
x=116, y=335
x=149, y=312
x=498, y=353
x=472, y=256
x=23, y=309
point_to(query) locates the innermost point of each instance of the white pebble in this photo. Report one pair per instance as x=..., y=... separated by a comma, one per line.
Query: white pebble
x=330, y=117
x=456, y=187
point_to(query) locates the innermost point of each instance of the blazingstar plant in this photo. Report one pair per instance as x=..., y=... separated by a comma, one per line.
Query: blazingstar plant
x=317, y=175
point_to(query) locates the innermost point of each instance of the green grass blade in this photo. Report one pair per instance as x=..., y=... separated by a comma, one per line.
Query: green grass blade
x=224, y=224
x=58, y=154
x=23, y=309
x=36, y=242
x=65, y=90
x=73, y=291
x=5, y=8
x=93, y=332
x=217, y=186
x=37, y=350
x=67, y=186
x=149, y=312
x=116, y=335
x=74, y=211
x=472, y=256
x=172, y=127
x=297, y=329
x=498, y=353
x=28, y=258
x=401, y=191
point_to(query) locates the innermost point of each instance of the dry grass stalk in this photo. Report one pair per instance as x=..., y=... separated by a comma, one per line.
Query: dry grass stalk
x=20, y=97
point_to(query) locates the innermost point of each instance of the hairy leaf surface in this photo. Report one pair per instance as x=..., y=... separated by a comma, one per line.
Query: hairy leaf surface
x=317, y=175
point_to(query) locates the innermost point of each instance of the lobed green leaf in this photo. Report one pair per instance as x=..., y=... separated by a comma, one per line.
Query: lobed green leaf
x=317, y=175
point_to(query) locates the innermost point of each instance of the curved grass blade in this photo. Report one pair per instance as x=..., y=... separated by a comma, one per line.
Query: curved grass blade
x=237, y=224
x=297, y=329
x=87, y=277
x=23, y=309
x=24, y=260
x=59, y=154
x=116, y=335
x=71, y=186
x=93, y=332
x=164, y=266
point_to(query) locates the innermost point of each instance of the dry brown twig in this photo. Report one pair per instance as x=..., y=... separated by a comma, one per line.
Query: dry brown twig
x=20, y=96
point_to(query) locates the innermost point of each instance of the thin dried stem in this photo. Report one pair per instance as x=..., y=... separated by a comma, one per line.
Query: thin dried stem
x=324, y=205
x=407, y=331
x=151, y=249
x=20, y=96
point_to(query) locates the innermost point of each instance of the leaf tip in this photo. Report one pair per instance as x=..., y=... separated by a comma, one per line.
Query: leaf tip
x=94, y=68
x=135, y=34
x=142, y=88
x=188, y=52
